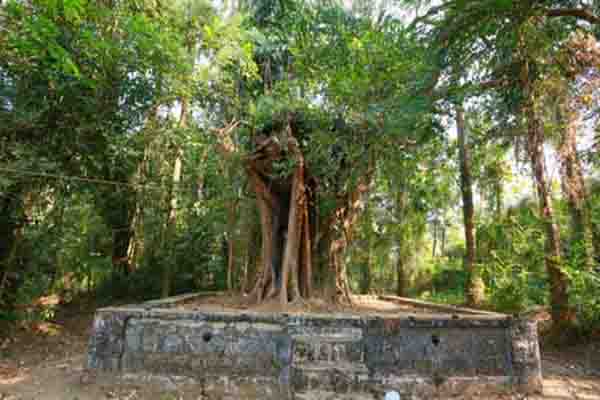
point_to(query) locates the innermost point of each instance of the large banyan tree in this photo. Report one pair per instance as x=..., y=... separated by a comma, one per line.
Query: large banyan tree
x=311, y=133
x=308, y=202
x=297, y=227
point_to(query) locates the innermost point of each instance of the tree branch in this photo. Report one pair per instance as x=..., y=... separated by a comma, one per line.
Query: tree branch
x=469, y=88
x=580, y=13
x=224, y=141
x=432, y=12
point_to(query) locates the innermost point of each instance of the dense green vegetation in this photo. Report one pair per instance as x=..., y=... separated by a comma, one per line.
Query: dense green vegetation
x=293, y=149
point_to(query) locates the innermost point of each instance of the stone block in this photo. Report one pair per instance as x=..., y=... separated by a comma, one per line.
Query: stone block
x=132, y=362
x=170, y=343
x=526, y=360
x=271, y=356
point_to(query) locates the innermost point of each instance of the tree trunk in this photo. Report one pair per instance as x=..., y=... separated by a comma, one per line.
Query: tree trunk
x=344, y=221
x=294, y=236
x=8, y=253
x=230, y=262
x=365, y=286
x=122, y=236
x=171, y=223
x=573, y=185
x=283, y=207
x=475, y=290
x=252, y=257
x=402, y=241
x=366, y=270
x=435, y=237
x=443, y=239
x=136, y=244
x=401, y=281
x=15, y=213
x=324, y=238
x=559, y=300
x=265, y=203
x=499, y=194
x=9, y=205
x=306, y=274
x=170, y=228
x=232, y=215
x=339, y=272
x=135, y=250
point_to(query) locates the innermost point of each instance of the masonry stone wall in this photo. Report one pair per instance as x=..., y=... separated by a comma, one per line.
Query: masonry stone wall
x=278, y=356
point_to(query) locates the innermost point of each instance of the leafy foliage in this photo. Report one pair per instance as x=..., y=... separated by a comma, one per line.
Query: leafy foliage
x=126, y=127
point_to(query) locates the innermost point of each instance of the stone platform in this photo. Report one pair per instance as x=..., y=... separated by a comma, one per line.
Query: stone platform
x=255, y=355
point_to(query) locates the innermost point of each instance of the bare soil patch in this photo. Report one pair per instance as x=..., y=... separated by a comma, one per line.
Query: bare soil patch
x=363, y=306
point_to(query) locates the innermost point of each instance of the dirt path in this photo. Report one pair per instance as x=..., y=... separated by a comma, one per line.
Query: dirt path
x=46, y=363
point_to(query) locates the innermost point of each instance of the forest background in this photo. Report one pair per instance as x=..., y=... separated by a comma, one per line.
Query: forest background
x=291, y=149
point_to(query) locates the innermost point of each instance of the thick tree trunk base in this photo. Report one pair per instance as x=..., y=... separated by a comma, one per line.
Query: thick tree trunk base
x=286, y=206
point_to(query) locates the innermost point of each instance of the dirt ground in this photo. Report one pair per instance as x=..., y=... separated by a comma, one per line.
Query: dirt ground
x=45, y=362
x=363, y=305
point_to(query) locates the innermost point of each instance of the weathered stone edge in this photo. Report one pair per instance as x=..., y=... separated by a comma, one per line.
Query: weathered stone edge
x=173, y=300
x=440, y=307
x=454, y=310
x=526, y=358
x=420, y=321
x=163, y=308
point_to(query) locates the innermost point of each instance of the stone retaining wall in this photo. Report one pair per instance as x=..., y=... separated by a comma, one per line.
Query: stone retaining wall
x=278, y=356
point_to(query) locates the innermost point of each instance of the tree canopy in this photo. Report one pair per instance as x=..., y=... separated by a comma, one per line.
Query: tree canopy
x=289, y=150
